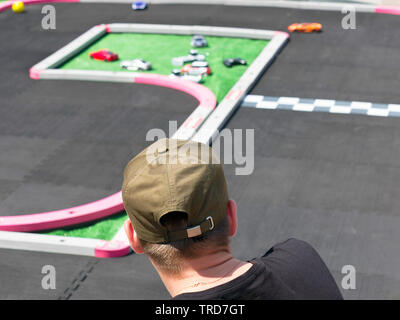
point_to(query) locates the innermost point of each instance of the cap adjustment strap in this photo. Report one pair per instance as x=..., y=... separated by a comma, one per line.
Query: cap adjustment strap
x=206, y=225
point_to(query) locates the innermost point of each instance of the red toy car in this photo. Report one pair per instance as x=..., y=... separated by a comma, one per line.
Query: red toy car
x=196, y=68
x=104, y=55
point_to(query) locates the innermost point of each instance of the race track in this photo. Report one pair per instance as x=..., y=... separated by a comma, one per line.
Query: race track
x=329, y=179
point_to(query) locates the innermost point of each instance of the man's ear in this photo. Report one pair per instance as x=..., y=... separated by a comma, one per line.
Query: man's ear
x=132, y=237
x=232, y=217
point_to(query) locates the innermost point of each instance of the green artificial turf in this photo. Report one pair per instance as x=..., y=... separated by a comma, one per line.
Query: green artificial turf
x=103, y=229
x=159, y=50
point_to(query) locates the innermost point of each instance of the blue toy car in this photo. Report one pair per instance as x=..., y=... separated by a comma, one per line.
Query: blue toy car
x=139, y=5
x=198, y=41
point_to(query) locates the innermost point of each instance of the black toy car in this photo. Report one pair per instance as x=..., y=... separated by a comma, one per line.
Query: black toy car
x=234, y=61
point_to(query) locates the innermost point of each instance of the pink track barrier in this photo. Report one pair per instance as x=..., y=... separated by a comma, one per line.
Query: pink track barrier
x=65, y=217
x=206, y=98
x=111, y=204
x=287, y=35
x=388, y=10
x=111, y=249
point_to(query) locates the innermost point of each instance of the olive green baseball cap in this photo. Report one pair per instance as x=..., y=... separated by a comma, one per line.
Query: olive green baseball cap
x=174, y=175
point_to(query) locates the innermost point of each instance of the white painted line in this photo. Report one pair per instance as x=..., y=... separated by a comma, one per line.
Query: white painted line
x=288, y=100
x=303, y=107
x=324, y=103
x=331, y=106
x=361, y=105
x=253, y=98
x=378, y=112
x=394, y=107
x=267, y=105
x=340, y=109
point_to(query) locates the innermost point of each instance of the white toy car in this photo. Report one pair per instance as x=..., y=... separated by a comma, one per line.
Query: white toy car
x=192, y=56
x=177, y=74
x=135, y=65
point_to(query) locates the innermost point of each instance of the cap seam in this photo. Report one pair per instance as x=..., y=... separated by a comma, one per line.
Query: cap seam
x=172, y=190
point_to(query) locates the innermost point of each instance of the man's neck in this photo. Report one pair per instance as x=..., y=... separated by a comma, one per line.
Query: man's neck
x=204, y=273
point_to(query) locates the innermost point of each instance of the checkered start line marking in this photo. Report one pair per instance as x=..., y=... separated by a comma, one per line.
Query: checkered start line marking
x=322, y=105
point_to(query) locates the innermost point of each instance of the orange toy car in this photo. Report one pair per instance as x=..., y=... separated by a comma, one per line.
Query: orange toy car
x=305, y=27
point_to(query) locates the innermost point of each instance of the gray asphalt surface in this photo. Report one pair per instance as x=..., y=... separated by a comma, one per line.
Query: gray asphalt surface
x=328, y=179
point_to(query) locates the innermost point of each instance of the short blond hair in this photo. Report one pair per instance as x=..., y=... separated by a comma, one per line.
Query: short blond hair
x=170, y=256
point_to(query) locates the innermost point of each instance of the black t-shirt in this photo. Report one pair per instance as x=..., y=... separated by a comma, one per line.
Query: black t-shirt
x=289, y=270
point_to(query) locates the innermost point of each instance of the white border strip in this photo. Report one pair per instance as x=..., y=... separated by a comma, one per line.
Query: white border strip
x=48, y=243
x=71, y=49
x=191, y=30
x=87, y=75
x=304, y=5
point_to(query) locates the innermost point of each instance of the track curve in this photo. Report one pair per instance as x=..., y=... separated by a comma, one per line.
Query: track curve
x=110, y=204
x=113, y=203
